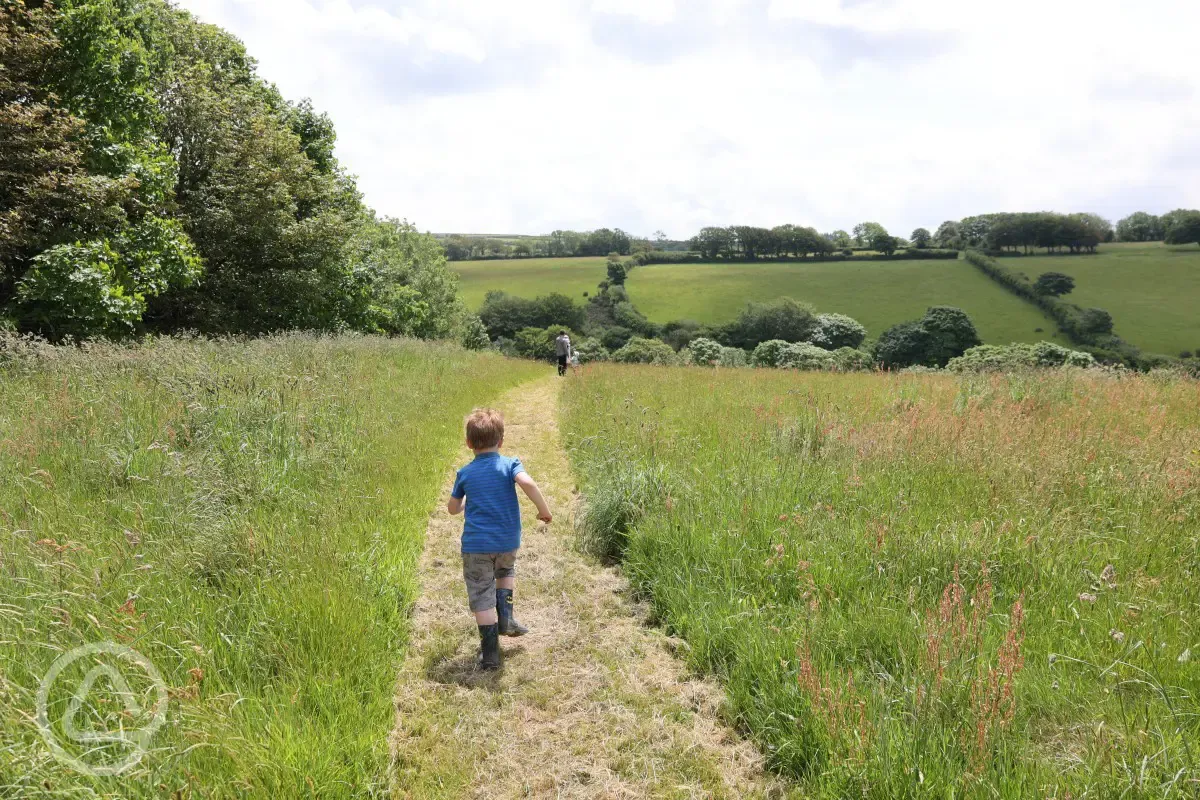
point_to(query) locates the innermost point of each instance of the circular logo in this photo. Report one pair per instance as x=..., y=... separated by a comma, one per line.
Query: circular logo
x=106, y=724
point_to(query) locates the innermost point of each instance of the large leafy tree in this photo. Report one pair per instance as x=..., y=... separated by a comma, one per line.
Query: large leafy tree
x=152, y=180
x=1185, y=228
x=1140, y=227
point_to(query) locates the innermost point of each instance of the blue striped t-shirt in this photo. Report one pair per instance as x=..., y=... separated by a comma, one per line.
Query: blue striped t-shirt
x=493, y=516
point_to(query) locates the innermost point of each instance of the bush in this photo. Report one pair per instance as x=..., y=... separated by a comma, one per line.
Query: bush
x=1004, y=358
x=704, y=351
x=952, y=334
x=589, y=350
x=472, y=333
x=849, y=359
x=784, y=319
x=803, y=355
x=903, y=345
x=645, y=351
x=537, y=343
x=1053, y=284
x=767, y=354
x=838, y=330
x=732, y=357
x=614, y=339
x=504, y=314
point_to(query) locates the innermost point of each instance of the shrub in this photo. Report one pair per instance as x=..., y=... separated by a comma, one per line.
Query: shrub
x=767, y=354
x=952, y=334
x=903, y=345
x=803, y=355
x=589, y=350
x=732, y=357
x=645, y=351
x=838, y=330
x=704, y=351
x=504, y=314
x=537, y=343
x=1053, y=284
x=1003, y=358
x=473, y=334
x=849, y=359
x=784, y=319
x=614, y=338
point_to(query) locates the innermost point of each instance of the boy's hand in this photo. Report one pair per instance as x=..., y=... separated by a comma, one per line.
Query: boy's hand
x=546, y=517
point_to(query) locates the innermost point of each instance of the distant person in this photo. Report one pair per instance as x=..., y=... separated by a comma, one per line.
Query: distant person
x=562, y=349
x=492, y=530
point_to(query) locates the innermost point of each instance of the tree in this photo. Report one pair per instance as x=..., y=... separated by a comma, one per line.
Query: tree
x=952, y=333
x=1053, y=284
x=864, y=232
x=921, y=238
x=943, y=333
x=839, y=239
x=1185, y=228
x=948, y=236
x=783, y=318
x=713, y=242
x=884, y=243
x=1140, y=227
x=903, y=345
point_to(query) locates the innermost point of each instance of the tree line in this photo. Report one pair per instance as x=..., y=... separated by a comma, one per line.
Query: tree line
x=154, y=183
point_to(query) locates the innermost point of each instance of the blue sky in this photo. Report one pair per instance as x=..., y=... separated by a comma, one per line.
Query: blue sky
x=528, y=115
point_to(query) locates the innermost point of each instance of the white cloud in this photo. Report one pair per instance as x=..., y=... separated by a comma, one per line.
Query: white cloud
x=531, y=115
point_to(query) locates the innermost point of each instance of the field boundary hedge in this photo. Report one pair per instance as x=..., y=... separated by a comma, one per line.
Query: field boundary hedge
x=1089, y=328
x=646, y=259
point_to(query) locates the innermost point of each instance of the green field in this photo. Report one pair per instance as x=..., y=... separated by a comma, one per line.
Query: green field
x=529, y=277
x=245, y=515
x=876, y=294
x=1151, y=290
x=917, y=586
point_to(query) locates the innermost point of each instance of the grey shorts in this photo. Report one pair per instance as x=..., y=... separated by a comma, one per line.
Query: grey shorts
x=480, y=571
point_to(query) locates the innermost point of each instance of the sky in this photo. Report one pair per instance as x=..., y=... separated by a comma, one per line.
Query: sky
x=525, y=116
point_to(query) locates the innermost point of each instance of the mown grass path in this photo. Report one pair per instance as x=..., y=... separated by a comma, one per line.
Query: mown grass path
x=590, y=704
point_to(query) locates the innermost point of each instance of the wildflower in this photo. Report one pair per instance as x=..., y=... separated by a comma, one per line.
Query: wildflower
x=1109, y=576
x=1117, y=635
x=1087, y=597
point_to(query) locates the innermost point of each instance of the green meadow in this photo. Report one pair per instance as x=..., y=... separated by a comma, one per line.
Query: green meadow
x=877, y=294
x=247, y=516
x=917, y=586
x=1152, y=290
x=528, y=277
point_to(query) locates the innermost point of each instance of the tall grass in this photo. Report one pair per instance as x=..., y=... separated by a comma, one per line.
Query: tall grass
x=919, y=585
x=248, y=516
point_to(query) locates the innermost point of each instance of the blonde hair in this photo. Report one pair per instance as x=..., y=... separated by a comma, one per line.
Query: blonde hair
x=485, y=428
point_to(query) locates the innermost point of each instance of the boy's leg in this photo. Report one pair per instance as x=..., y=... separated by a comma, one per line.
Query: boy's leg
x=479, y=575
x=506, y=584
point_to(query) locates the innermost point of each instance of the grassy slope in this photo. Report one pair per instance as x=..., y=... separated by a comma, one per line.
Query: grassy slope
x=877, y=295
x=827, y=543
x=529, y=277
x=249, y=511
x=1152, y=291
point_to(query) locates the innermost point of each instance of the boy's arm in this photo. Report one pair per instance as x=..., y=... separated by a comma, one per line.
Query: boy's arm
x=455, y=506
x=535, y=494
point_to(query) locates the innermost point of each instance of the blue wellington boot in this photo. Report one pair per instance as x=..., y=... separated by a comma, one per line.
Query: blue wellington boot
x=504, y=612
x=489, y=647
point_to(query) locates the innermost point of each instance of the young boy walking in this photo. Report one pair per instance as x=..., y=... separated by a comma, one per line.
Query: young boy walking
x=492, y=530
